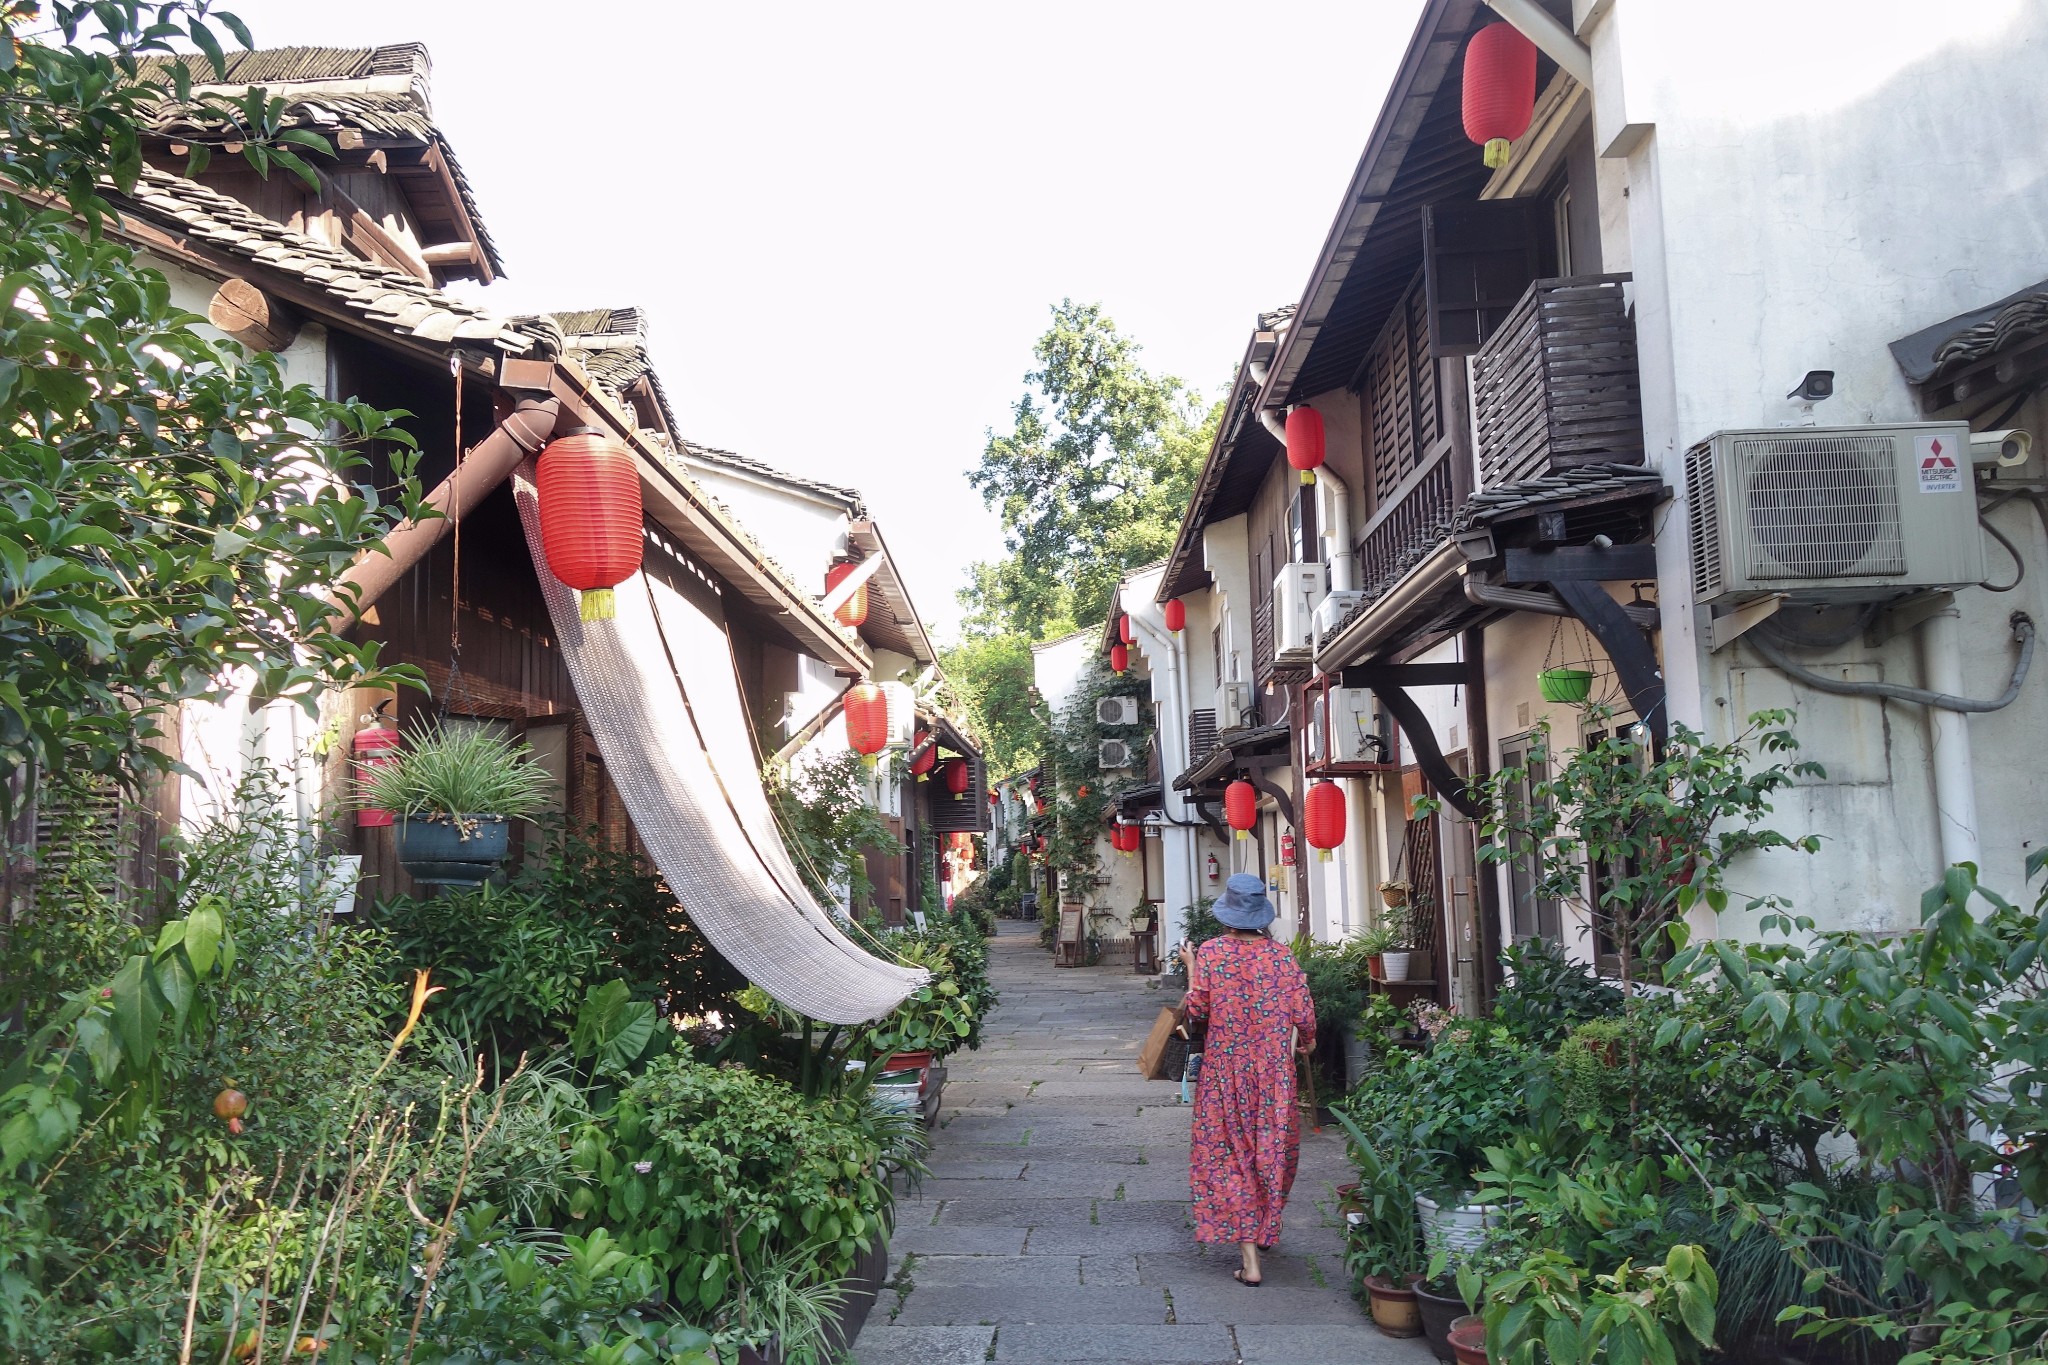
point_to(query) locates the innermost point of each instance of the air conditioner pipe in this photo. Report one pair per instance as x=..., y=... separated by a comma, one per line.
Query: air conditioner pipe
x=2022, y=632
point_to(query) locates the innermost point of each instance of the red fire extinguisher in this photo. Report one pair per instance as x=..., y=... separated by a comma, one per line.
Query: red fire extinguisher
x=1287, y=849
x=1214, y=870
x=375, y=746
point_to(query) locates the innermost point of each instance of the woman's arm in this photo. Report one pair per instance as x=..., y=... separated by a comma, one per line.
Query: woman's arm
x=1302, y=1006
x=1197, y=1000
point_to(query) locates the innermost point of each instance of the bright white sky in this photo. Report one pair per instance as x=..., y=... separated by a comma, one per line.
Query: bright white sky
x=848, y=222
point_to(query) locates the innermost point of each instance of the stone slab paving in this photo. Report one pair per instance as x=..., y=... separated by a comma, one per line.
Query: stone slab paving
x=1055, y=1224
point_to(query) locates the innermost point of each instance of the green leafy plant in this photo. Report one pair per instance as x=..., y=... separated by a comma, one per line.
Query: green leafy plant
x=1551, y=1310
x=822, y=808
x=455, y=771
x=1547, y=993
x=1387, y=1240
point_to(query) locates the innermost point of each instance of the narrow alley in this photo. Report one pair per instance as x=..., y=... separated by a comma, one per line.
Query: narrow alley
x=1055, y=1223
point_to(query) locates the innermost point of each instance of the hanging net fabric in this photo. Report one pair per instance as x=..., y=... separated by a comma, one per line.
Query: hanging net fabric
x=662, y=700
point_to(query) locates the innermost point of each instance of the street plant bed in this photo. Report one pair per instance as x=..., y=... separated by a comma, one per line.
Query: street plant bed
x=1819, y=1145
x=860, y=1289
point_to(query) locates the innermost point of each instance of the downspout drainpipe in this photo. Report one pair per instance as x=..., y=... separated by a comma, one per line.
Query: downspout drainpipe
x=487, y=465
x=1955, y=781
x=1176, y=698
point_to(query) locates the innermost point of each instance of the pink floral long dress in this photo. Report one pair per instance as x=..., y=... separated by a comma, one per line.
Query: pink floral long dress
x=1247, y=1131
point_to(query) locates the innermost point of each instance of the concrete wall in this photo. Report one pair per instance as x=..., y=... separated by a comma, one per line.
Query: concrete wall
x=1804, y=185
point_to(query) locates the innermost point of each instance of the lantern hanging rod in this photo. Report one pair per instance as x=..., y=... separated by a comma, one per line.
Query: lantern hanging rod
x=848, y=585
x=1552, y=38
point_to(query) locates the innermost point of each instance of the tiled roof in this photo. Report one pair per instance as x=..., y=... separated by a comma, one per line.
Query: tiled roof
x=1967, y=338
x=1269, y=321
x=1489, y=505
x=832, y=492
x=378, y=108
x=385, y=297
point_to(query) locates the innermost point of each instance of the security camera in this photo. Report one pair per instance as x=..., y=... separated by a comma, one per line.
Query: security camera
x=2004, y=448
x=1817, y=385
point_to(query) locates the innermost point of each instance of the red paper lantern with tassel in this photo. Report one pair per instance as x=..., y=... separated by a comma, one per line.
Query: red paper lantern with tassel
x=1119, y=658
x=1500, y=89
x=1325, y=818
x=590, y=516
x=1176, y=616
x=1305, y=442
x=867, y=718
x=1240, y=806
x=958, y=776
x=854, y=610
x=924, y=755
x=1125, y=631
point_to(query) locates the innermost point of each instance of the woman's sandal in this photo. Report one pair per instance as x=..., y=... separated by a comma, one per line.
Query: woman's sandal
x=1238, y=1275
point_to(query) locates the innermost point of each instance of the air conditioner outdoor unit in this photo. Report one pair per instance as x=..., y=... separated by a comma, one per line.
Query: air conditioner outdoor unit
x=1116, y=711
x=902, y=714
x=1833, y=514
x=1237, y=701
x=1113, y=755
x=1296, y=592
x=1331, y=611
x=1353, y=728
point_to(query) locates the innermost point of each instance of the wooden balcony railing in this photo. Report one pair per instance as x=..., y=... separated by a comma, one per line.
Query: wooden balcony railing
x=1557, y=383
x=1413, y=520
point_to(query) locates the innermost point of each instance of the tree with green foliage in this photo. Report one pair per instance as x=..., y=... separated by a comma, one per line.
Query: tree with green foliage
x=1091, y=480
x=1092, y=477
x=174, y=511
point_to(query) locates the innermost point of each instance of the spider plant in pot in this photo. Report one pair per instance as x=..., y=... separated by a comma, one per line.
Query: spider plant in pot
x=1400, y=926
x=456, y=790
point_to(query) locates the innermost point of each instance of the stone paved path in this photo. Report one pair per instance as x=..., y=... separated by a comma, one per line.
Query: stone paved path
x=1055, y=1227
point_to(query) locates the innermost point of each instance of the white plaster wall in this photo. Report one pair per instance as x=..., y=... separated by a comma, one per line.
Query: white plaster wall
x=1056, y=667
x=1228, y=560
x=1847, y=174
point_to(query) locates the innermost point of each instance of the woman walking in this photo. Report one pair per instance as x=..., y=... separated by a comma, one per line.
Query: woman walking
x=1247, y=1131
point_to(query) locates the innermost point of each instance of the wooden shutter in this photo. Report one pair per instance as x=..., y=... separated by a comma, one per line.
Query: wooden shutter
x=1478, y=260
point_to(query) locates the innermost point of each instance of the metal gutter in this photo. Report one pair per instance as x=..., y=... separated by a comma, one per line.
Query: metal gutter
x=1372, y=625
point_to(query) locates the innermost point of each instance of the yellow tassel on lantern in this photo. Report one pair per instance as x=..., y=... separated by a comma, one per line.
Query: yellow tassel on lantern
x=1308, y=476
x=1244, y=834
x=1496, y=154
x=597, y=604
x=1322, y=855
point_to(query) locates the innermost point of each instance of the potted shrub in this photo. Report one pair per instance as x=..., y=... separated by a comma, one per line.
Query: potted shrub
x=1383, y=1231
x=1395, y=894
x=1571, y=685
x=1400, y=929
x=1372, y=945
x=456, y=791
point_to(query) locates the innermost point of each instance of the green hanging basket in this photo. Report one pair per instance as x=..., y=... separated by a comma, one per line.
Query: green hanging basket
x=1565, y=684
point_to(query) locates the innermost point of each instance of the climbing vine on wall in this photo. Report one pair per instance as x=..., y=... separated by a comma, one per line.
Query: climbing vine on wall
x=1073, y=765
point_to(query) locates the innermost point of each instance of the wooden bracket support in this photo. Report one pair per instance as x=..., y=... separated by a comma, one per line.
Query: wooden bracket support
x=1428, y=757
x=1635, y=663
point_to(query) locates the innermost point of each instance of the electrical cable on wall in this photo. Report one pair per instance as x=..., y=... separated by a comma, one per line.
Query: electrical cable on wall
x=2022, y=632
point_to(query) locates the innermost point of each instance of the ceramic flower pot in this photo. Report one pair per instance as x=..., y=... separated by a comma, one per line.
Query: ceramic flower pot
x=1394, y=1310
x=1395, y=961
x=1565, y=684
x=463, y=851
x=1467, y=1339
x=1457, y=1228
x=1439, y=1311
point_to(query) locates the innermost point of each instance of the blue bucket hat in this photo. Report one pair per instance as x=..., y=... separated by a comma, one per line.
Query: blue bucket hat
x=1244, y=904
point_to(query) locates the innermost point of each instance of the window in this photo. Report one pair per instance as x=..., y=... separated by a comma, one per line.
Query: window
x=1529, y=915
x=1216, y=651
x=1295, y=534
x=1153, y=853
x=1561, y=228
x=1477, y=259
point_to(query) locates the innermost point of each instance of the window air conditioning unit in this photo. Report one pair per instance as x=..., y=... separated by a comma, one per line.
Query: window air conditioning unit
x=1295, y=594
x=902, y=714
x=1237, y=703
x=1833, y=514
x=1351, y=734
x=1113, y=754
x=1116, y=711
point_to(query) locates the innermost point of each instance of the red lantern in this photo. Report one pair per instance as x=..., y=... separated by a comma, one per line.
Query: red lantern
x=374, y=747
x=1500, y=89
x=958, y=777
x=1325, y=818
x=963, y=842
x=1240, y=806
x=867, y=718
x=1176, y=616
x=1119, y=658
x=1305, y=442
x=854, y=610
x=590, y=516
x=1125, y=631
x=924, y=755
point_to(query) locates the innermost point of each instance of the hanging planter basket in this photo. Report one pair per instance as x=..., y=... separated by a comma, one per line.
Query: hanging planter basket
x=1571, y=685
x=461, y=852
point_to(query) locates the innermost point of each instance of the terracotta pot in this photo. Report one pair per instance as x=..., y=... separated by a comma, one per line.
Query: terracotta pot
x=1394, y=1310
x=1348, y=1200
x=908, y=1061
x=1468, y=1340
x=1375, y=968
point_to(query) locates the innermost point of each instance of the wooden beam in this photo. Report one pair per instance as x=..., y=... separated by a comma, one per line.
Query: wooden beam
x=1582, y=563
x=449, y=253
x=1635, y=663
x=251, y=316
x=1407, y=675
x=1428, y=757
